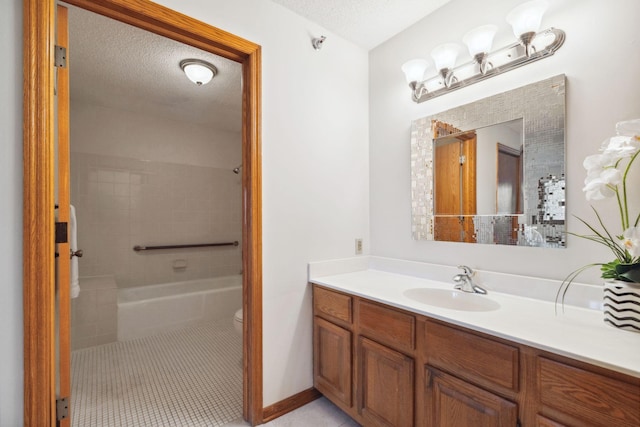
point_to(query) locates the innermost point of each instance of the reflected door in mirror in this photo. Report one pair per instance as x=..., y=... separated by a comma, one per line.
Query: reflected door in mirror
x=508, y=191
x=455, y=187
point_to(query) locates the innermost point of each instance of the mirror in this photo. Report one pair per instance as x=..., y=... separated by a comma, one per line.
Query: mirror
x=490, y=161
x=493, y=171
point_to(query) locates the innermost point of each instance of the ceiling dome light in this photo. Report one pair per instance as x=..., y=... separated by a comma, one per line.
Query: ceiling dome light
x=198, y=71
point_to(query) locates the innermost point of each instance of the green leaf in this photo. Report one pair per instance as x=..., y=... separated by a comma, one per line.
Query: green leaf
x=609, y=270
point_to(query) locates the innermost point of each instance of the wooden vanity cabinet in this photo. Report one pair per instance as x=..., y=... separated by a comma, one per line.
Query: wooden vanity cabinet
x=546, y=422
x=332, y=361
x=470, y=380
x=333, y=346
x=388, y=367
x=488, y=362
x=584, y=395
x=386, y=385
x=452, y=402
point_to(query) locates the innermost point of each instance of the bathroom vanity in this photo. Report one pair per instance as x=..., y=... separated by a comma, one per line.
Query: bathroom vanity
x=388, y=359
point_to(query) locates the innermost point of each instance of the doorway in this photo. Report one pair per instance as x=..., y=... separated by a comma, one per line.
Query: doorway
x=454, y=184
x=152, y=157
x=39, y=125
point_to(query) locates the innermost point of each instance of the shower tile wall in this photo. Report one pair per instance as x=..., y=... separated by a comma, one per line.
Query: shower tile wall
x=122, y=202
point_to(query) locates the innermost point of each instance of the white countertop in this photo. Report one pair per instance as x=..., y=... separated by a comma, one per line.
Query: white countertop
x=578, y=333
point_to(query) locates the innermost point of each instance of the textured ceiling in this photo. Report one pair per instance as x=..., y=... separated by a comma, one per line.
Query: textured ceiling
x=367, y=23
x=120, y=66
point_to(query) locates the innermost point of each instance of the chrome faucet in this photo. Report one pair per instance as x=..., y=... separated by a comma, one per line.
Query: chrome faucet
x=464, y=282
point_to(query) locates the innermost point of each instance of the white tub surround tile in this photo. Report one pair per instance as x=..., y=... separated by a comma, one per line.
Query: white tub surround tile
x=122, y=202
x=153, y=309
x=530, y=318
x=94, y=312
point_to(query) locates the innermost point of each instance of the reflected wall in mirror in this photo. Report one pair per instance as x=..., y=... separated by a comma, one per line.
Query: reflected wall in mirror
x=493, y=171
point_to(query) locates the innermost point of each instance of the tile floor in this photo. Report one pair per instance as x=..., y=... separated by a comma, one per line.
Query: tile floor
x=319, y=413
x=168, y=380
x=163, y=380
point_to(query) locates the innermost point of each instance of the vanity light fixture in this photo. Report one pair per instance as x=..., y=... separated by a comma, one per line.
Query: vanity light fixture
x=444, y=56
x=525, y=20
x=198, y=71
x=531, y=46
x=414, y=72
x=479, y=41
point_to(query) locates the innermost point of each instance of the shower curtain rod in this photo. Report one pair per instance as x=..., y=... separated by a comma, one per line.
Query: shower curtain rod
x=138, y=248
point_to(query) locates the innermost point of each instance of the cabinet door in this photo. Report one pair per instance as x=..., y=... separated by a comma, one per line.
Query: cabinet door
x=574, y=395
x=451, y=402
x=332, y=361
x=546, y=422
x=386, y=385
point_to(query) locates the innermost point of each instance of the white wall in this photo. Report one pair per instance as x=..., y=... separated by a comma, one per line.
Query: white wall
x=600, y=59
x=315, y=168
x=11, y=370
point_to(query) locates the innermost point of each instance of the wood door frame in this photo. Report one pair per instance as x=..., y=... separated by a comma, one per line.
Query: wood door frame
x=38, y=199
x=63, y=261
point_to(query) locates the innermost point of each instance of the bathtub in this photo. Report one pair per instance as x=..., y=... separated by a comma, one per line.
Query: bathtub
x=151, y=309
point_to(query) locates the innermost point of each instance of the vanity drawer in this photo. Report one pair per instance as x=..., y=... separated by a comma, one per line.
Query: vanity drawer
x=332, y=305
x=472, y=357
x=394, y=328
x=593, y=398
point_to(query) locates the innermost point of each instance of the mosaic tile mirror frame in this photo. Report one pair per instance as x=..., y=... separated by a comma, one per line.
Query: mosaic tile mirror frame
x=541, y=222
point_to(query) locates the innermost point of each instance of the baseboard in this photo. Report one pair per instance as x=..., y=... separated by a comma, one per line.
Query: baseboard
x=289, y=404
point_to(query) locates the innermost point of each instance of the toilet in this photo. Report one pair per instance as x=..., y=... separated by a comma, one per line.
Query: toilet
x=237, y=321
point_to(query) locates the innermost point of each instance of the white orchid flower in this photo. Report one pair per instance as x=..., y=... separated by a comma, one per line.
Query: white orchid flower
x=596, y=162
x=599, y=186
x=607, y=174
x=620, y=146
x=631, y=241
x=628, y=128
x=601, y=176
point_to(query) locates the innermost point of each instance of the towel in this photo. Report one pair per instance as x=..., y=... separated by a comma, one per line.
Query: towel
x=73, y=245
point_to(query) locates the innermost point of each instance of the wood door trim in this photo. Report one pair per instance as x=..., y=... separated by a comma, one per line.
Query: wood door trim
x=63, y=262
x=38, y=213
x=38, y=202
x=291, y=403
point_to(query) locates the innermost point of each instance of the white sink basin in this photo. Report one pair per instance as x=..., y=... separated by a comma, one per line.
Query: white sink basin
x=452, y=299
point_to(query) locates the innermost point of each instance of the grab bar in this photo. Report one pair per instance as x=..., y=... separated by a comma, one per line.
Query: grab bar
x=139, y=248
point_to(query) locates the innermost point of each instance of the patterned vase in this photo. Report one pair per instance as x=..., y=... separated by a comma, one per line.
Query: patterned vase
x=622, y=304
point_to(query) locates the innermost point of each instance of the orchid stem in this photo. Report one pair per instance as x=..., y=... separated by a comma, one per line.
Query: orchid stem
x=624, y=191
x=622, y=207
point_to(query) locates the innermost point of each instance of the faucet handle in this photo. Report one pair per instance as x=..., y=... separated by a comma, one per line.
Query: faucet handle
x=467, y=270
